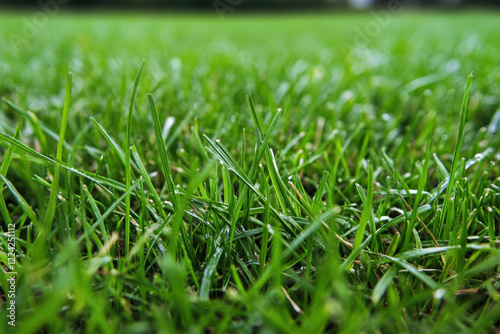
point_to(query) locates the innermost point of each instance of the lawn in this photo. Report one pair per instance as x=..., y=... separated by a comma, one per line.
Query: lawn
x=333, y=172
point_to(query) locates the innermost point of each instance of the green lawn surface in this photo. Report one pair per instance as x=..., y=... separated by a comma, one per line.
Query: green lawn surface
x=285, y=173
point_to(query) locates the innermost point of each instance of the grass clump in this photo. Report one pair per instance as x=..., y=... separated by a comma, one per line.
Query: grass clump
x=350, y=193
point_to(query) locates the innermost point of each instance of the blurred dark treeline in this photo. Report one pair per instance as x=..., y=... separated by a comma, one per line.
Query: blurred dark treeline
x=242, y=4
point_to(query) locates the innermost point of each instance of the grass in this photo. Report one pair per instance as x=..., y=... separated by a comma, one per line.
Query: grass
x=354, y=190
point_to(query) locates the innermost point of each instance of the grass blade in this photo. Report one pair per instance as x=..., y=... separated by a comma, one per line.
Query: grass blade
x=383, y=284
x=165, y=165
x=366, y=215
x=109, y=211
x=414, y=271
x=458, y=147
x=3, y=171
x=210, y=270
x=421, y=184
x=128, y=167
x=54, y=189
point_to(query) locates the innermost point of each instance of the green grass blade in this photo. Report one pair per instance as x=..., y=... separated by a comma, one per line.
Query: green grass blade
x=54, y=189
x=317, y=199
x=255, y=118
x=383, y=284
x=128, y=167
x=22, y=202
x=458, y=146
x=116, y=148
x=147, y=179
x=414, y=271
x=165, y=165
x=37, y=123
x=109, y=211
x=210, y=270
x=421, y=184
x=310, y=229
x=3, y=171
x=366, y=215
